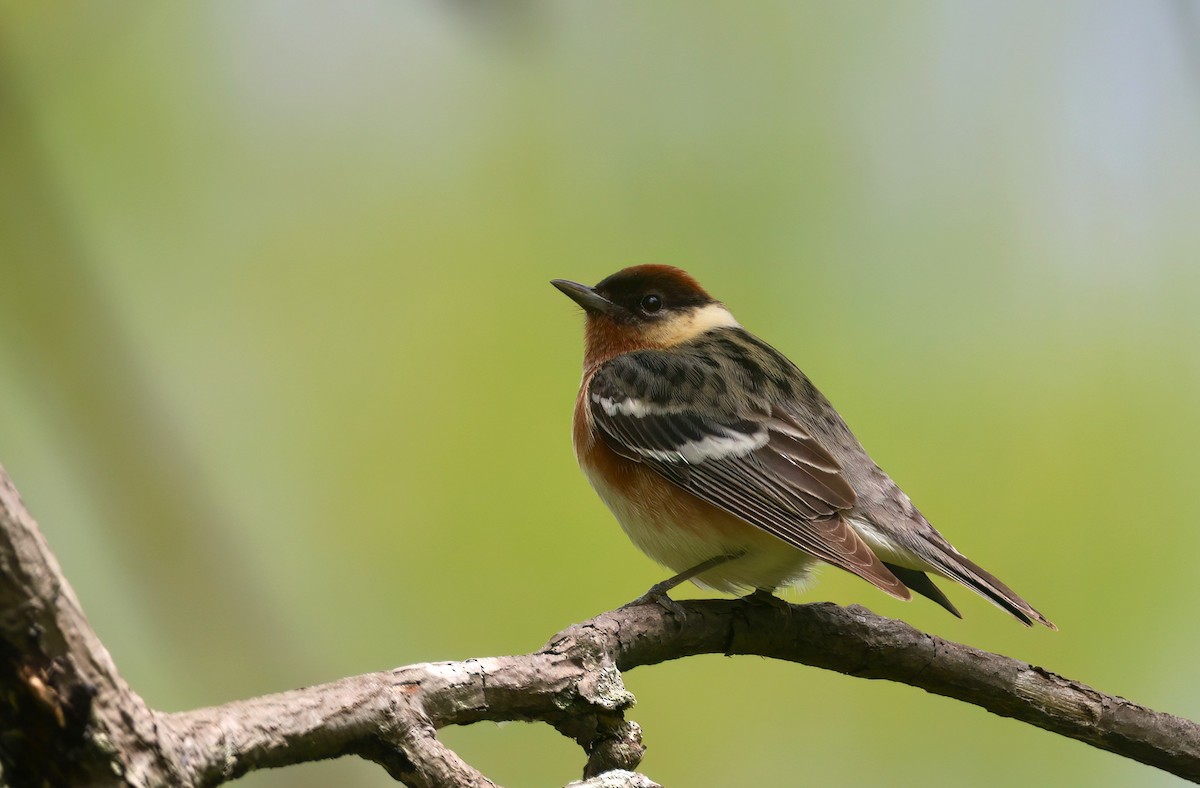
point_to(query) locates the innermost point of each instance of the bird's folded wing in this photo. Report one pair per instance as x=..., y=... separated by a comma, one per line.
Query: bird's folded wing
x=762, y=467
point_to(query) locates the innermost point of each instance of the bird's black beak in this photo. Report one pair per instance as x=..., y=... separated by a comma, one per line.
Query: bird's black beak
x=585, y=296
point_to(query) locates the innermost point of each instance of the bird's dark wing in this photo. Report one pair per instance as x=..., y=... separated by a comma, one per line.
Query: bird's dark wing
x=754, y=461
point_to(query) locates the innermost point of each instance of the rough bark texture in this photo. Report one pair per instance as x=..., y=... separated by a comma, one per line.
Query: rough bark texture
x=66, y=715
x=67, y=718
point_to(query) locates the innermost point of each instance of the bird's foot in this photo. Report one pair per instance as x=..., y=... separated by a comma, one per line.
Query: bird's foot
x=761, y=596
x=657, y=595
x=658, y=591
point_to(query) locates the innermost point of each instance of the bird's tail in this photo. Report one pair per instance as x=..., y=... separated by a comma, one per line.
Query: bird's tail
x=958, y=567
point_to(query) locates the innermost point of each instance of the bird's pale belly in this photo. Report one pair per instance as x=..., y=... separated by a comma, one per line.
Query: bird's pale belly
x=680, y=531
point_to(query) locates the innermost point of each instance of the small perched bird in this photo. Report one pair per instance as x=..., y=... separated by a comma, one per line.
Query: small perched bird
x=723, y=462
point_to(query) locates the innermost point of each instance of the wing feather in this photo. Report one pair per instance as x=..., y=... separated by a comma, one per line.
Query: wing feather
x=760, y=465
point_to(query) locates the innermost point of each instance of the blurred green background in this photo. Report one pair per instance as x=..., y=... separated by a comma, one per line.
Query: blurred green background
x=284, y=382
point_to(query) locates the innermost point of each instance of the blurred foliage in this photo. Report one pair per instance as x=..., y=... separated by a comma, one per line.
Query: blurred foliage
x=283, y=379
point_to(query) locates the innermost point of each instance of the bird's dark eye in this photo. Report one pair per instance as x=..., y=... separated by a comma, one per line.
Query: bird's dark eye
x=651, y=303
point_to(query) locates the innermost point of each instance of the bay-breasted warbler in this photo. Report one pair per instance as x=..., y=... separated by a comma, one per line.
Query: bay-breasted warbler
x=723, y=462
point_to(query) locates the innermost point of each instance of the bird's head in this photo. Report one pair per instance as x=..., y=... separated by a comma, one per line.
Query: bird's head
x=646, y=306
